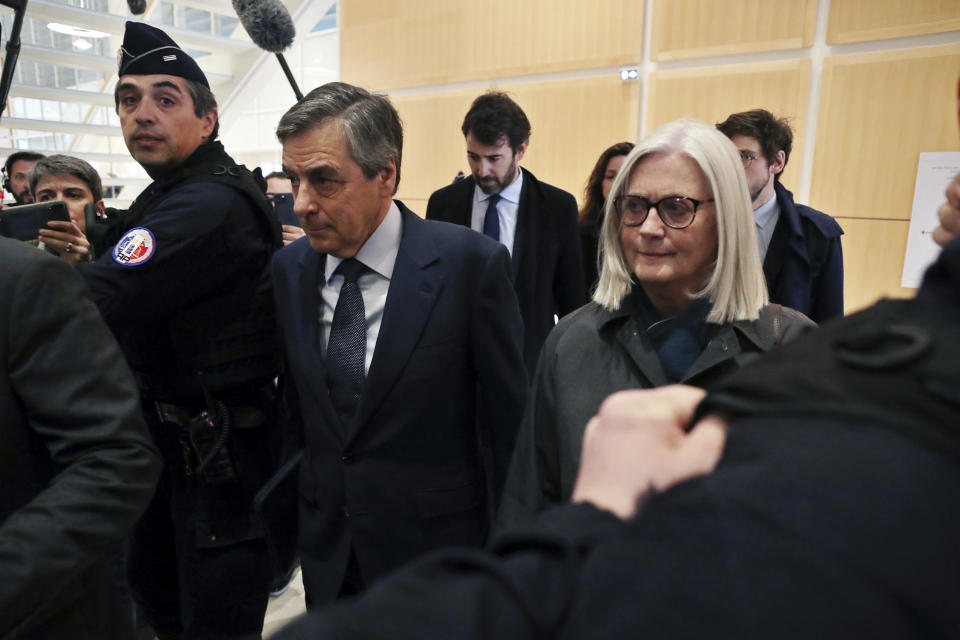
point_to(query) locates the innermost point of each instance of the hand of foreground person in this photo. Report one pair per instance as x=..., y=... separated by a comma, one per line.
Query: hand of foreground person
x=949, y=214
x=637, y=443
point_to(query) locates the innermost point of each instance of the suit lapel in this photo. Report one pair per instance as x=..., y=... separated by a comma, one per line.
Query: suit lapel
x=311, y=274
x=416, y=282
x=527, y=212
x=311, y=266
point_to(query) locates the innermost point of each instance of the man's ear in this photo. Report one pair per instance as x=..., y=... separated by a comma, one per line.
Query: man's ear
x=209, y=121
x=100, y=207
x=521, y=149
x=777, y=166
x=387, y=178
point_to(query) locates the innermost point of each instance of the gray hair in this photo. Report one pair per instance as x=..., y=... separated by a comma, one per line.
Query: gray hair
x=370, y=125
x=60, y=165
x=736, y=286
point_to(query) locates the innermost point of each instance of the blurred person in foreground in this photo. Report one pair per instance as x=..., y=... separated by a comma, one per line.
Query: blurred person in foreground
x=814, y=496
x=681, y=299
x=77, y=466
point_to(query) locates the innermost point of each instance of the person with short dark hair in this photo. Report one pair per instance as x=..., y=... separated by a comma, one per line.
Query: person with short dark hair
x=402, y=335
x=185, y=287
x=536, y=222
x=800, y=247
x=77, y=184
x=16, y=171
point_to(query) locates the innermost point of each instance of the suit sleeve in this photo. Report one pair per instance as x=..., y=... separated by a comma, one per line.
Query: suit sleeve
x=523, y=588
x=570, y=289
x=828, y=290
x=533, y=483
x=433, y=207
x=290, y=397
x=75, y=389
x=497, y=332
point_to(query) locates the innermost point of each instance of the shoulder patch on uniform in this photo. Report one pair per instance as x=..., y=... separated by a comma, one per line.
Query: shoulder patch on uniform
x=135, y=247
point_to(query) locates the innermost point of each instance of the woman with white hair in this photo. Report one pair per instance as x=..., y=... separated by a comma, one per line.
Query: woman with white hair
x=681, y=299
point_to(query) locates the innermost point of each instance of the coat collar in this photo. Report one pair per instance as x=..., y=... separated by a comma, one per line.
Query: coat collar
x=723, y=342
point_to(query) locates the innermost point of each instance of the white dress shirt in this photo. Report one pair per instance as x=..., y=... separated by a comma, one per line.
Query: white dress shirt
x=378, y=254
x=508, y=208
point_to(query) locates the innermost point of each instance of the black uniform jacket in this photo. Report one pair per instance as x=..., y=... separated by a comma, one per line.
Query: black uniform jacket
x=444, y=394
x=832, y=513
x=546, y=264
x=76, y=464
x=184, y=241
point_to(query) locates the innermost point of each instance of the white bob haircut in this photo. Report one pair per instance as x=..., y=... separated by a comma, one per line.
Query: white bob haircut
x=736, y=285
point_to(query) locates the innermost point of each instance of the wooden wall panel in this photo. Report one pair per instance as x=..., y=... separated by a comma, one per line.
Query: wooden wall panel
x=397, y=43
x=861, y=20
x=433, y=147
x=572, y=122
x=698, y=28
x=873, y=253
x=711, y=94
x=877, y=112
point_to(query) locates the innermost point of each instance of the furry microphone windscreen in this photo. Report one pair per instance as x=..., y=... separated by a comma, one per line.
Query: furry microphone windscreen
x=268, y=23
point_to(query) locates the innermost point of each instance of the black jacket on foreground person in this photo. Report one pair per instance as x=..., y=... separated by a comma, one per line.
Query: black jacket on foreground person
x=832, y=513
x=77, y=467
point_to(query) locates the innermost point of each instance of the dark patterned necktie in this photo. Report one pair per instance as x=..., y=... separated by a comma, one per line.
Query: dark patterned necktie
x=346, y=348
x=491, y=220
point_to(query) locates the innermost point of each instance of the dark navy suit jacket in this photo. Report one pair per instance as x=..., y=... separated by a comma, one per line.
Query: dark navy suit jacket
x=438, y=414
x=804, y=263
x=547, y=266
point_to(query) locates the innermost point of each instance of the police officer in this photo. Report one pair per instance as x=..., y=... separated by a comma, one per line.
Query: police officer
x=186, y=290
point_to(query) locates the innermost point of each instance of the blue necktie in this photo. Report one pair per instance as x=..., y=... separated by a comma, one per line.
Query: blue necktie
x=346, y=348
x=491, y=220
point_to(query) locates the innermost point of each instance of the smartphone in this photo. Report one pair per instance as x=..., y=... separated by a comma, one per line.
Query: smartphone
x=283, y=207
x=24, y=222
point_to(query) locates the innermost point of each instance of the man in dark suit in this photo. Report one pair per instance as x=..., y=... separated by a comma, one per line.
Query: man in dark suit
x=76, y=463
x=535, y=221
x=799, y=246
x=403, y=344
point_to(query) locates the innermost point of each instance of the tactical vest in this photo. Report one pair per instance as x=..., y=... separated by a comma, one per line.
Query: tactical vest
x=225, y=341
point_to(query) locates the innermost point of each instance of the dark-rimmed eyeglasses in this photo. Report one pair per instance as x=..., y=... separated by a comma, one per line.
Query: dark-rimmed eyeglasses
x=677, y=212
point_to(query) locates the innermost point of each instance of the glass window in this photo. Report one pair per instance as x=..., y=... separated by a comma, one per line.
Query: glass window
x=328, y=21
x=196, y=20
x=225, y=25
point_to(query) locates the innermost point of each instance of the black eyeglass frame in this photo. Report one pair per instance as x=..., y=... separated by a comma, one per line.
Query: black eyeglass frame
x=618, y=204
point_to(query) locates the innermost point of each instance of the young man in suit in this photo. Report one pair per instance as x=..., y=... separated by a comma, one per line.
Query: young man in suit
x=799, y=246
x=536, y=222
x=403, y=343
